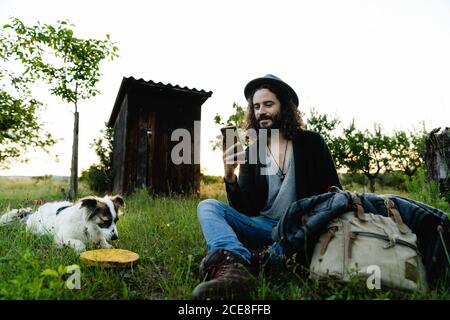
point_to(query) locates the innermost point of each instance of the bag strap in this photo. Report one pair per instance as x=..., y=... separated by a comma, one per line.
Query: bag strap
x=328, y=237
x=393, y=212
x=358, y=207
x=440, y=229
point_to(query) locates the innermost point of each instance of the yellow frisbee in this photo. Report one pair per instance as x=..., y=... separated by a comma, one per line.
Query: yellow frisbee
x=109, y=258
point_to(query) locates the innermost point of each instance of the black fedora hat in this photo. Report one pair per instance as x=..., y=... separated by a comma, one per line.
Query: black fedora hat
x=273, y=80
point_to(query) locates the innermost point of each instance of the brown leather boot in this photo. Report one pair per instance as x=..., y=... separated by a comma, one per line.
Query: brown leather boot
x=227, y=276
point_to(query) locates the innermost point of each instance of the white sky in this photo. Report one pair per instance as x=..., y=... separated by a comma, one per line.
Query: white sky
x=385, y=61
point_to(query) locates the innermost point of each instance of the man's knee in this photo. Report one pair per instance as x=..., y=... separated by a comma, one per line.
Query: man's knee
x=208, y=206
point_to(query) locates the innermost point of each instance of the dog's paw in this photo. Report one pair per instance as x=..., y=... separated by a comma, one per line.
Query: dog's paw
x=106, y=245
x=75, y=244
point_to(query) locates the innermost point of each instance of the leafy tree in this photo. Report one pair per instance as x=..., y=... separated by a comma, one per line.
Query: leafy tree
x=323, y=124
x=70, y=65
x=20, y=128
x=408, y=153
x=365, y=151
x=237, y=119
x=326, y=125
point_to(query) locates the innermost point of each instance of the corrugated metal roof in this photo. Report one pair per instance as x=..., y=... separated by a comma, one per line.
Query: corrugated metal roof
x=127, y=82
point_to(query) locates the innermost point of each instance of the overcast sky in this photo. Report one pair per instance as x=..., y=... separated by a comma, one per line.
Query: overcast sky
x=384, y=61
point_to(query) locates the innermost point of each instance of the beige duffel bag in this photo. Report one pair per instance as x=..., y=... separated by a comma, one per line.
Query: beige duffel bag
x=381, y=250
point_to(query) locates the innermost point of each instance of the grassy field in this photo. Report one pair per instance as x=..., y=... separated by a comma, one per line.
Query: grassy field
x=164, y=232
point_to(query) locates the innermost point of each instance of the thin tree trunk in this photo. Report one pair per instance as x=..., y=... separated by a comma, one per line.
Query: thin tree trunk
x=73, y=192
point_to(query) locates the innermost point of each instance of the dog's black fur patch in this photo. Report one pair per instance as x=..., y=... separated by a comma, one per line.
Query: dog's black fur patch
x=89, y=203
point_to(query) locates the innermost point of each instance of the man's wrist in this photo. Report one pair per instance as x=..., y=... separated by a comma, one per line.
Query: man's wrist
x=230, y=180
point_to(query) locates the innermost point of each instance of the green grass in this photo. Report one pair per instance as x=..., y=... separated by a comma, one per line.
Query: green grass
x=164, y=231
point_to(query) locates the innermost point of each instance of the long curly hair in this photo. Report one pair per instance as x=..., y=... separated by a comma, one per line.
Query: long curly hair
x=291, y=121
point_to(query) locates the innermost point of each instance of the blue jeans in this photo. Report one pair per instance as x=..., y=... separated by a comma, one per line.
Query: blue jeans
x=225, y=228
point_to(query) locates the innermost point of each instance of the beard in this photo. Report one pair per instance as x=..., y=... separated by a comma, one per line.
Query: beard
x=274, y=126
x=275, y=122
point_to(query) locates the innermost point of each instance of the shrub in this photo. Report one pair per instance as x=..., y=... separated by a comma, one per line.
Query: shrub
x=353, y=178
x=393, y=179
x=98, y=178
x=210, y=179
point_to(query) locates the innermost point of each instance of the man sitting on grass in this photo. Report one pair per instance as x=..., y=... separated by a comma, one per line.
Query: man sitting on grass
x=297, y=164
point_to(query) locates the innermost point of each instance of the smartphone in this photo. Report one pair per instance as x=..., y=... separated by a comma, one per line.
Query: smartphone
x=231, y=132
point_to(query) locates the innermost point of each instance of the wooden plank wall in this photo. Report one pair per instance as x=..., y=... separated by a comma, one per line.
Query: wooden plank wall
x=142, y=150
x=185, y=178
x=132, y=141
x=119, y=147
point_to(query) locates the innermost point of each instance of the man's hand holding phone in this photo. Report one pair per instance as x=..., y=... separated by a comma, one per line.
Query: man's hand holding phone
x=232, y=152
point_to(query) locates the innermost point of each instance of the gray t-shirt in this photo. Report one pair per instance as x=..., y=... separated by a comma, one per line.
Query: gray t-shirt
x=281, y=193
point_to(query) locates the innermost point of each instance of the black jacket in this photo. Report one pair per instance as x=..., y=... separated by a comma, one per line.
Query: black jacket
x=315, y=173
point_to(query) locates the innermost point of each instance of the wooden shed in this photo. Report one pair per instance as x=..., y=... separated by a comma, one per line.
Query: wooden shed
x=144, y=116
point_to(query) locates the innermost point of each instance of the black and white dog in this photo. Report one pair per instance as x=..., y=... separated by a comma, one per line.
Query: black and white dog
x=90, y=220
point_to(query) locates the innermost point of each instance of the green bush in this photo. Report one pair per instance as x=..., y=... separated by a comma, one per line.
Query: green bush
x=98, y=178
x=210, y=179
x=393, y=179
x=348, y=179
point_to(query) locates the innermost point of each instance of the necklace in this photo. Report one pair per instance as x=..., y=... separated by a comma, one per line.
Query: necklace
x=280, y=172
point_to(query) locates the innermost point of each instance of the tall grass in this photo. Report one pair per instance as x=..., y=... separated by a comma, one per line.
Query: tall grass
x=427, y=192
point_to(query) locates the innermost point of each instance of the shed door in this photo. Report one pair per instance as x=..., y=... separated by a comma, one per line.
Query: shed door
x=144, y=177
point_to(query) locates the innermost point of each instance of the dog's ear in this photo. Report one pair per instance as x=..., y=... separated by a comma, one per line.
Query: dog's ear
x=90, y=203
x=119, y=204
x=118, y=201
